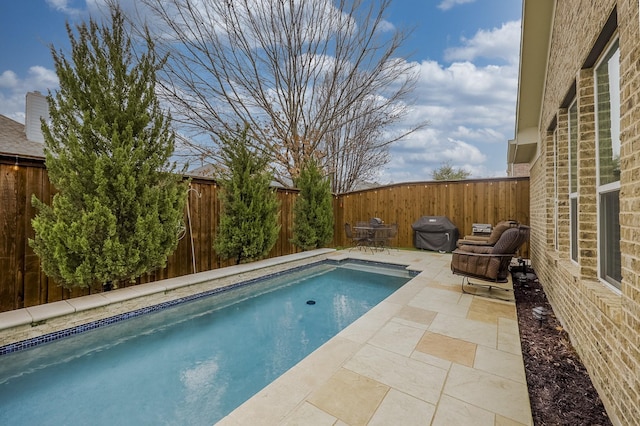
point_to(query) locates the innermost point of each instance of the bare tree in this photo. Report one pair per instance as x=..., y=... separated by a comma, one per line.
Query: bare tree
x=319, y=78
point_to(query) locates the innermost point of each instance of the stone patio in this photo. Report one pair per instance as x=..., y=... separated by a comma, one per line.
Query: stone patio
x=427, y=355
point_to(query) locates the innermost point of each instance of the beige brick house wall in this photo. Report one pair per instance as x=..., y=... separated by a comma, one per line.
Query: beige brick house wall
x=603, y=322
x=518, y=169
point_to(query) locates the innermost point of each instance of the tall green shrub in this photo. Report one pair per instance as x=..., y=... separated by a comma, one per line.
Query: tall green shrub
x=249, y=220
x=447, y=172
x=107, y=147
x=313, y=209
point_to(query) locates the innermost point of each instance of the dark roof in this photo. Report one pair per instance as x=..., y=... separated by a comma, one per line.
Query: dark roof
x=209, y=170
x=13, y=140
x=206, y=170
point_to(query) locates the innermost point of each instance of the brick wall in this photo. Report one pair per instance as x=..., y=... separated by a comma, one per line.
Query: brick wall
x=602, y=321
x=518, y=169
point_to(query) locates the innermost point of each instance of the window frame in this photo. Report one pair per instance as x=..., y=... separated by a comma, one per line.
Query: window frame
x=556, y=231
x=602, y=190
x=573, y=186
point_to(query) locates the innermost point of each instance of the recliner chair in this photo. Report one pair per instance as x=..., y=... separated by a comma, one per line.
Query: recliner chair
x=489, y=263
x=491, y=239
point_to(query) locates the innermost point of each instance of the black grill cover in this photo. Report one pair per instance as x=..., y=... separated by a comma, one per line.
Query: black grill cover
x=435, y=233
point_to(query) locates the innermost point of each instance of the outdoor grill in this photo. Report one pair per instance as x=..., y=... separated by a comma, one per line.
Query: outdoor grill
x=435, y=233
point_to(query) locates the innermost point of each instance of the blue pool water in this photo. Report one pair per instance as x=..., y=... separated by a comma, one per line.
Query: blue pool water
x=191, y=364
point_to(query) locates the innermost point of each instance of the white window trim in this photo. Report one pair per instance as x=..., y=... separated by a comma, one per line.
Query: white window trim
x=573, y=195
x=555, y=190
x=602, y=189
x=610, y=188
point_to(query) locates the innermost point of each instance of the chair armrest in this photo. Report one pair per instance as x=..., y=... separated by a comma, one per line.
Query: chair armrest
x=480, y=254
x=478, y=238
x=471, y=249
x=466, y=242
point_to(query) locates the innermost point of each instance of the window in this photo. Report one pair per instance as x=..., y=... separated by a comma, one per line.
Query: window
x=573, y=180
x=611, y=270
x=555, y=189
x=607, y=79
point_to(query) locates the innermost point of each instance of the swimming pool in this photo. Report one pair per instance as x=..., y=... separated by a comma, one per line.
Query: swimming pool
x=194, y=363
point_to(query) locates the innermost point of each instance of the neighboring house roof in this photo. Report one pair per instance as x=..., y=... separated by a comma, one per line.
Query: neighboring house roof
x=208, y=170
x=362, y=185
x=205, y=171
x=13, y=140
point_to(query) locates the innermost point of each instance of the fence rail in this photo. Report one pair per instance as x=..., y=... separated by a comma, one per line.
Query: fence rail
x=23, y=284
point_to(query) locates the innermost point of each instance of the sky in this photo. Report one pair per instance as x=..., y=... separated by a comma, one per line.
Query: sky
x=466, y=52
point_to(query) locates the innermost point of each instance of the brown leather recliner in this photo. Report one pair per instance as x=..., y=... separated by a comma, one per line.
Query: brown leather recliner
x=489, y=263
x=491, y=239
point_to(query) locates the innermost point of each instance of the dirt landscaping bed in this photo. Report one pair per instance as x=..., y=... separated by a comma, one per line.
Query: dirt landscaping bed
x=560, y=389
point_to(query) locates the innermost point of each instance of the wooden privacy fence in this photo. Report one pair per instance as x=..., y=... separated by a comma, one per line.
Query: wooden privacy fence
x=23, y=284
x=464, y=202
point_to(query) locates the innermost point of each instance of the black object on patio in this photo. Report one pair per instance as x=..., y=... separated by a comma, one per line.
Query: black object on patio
x=435, y=233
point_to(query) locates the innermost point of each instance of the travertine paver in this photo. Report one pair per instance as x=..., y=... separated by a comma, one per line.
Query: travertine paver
x=415, y=316
x=453, y=412
x=473, y=331
x=454, y=350
x=407, y=375
x=442, y=301
x=308, y=414
x=397, y=337
x=509, y=336
x=398, y=408
x=500, y=363
x=349, y=396
x=494, y=393
x=490, y=310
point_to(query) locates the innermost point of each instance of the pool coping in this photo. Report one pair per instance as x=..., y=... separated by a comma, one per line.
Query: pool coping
x=36, y=321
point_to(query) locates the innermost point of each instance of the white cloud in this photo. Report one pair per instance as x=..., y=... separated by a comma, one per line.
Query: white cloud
x=42, y=77
x=64, y=7
x=470, y=108
x=484, y=134
x=465, y=77
x=386, y=26
x=8, y=79
x=448, y=4
x=14, y=89
x=494, y=43
x=466, y=92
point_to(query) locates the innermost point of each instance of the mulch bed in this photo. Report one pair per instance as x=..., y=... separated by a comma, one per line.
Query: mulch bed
x=560, y=389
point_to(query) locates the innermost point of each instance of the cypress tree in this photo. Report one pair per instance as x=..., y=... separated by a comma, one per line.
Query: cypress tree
x=249, y=219
x=119, y=203
x=313, y=209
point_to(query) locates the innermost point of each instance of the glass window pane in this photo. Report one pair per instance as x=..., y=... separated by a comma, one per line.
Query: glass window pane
x=610, y=266
x=573, y=213
x=608, y=90
x=573, y=148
